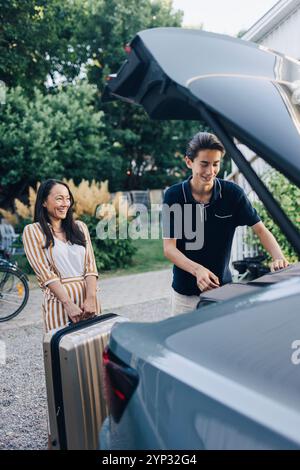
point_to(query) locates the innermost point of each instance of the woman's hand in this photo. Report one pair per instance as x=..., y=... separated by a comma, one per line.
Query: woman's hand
x=89, y=307
x=73, y=311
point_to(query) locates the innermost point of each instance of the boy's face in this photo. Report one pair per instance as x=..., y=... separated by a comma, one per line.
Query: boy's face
x=205, y=166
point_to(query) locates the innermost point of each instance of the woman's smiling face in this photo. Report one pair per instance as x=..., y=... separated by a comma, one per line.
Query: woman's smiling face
x=58, y=202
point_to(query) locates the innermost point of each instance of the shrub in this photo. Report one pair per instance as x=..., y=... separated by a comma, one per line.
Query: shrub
x=288, y=195
x=109, y=254
x=88, y=196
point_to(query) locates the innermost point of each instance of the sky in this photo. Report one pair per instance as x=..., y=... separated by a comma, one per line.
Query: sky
x=223, y=16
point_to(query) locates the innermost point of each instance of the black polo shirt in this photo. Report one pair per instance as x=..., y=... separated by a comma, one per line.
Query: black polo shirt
x=228, y=208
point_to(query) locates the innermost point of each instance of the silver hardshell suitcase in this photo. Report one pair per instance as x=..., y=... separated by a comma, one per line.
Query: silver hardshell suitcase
x=75, y=382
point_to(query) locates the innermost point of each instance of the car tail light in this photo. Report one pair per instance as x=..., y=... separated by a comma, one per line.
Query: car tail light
x=121, y=382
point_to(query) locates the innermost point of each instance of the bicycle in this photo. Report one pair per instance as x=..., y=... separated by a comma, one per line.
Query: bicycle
x=14, y=288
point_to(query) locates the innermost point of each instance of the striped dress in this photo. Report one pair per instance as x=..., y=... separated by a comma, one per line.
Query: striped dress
x=43, y=263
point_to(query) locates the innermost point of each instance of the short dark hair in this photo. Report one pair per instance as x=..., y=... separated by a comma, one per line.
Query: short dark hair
x=203, y=141
x=73, y=232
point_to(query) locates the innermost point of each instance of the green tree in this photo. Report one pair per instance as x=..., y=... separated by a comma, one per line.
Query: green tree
x=143, y=153
x=64, y=40
x=38, y=39
x=55, y=135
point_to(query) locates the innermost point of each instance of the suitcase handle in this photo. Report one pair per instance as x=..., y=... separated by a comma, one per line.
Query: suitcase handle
x=81, y=322
x=88, y=321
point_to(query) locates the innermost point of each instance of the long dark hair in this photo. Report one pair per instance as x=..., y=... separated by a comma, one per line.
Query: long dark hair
x=73, y=232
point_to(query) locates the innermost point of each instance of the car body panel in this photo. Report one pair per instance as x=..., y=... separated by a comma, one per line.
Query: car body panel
x=227, y=367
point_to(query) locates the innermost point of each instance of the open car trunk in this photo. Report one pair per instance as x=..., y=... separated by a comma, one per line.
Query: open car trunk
x=231, y=291
x=238, y=88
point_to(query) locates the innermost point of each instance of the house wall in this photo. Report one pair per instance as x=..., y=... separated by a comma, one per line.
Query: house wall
x=285, y=37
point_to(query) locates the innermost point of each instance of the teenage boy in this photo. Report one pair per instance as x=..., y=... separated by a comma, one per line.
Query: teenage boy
x=204, y=212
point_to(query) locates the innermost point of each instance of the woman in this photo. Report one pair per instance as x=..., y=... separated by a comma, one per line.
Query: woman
x=60, y=252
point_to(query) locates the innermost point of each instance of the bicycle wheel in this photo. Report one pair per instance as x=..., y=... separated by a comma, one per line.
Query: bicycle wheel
x=14, y=292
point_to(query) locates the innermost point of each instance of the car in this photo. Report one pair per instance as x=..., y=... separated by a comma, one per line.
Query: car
x=225, y=376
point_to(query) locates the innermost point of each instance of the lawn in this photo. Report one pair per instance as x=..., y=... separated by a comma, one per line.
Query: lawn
x=148, y=257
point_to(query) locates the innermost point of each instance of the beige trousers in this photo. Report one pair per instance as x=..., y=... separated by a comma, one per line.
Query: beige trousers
x=183, y=303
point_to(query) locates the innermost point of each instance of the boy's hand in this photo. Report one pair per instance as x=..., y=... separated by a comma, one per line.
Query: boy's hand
x=279, y=263
x=206, y=280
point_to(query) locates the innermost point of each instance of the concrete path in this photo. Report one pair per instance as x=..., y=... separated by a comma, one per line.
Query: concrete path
x=114, y=293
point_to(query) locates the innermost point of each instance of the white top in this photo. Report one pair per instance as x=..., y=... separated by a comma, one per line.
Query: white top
x=68, y=258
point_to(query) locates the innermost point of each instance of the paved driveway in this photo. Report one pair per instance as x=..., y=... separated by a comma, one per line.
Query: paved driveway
x=23, y=406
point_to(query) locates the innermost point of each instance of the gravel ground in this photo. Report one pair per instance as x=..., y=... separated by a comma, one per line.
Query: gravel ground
x=23, y=405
